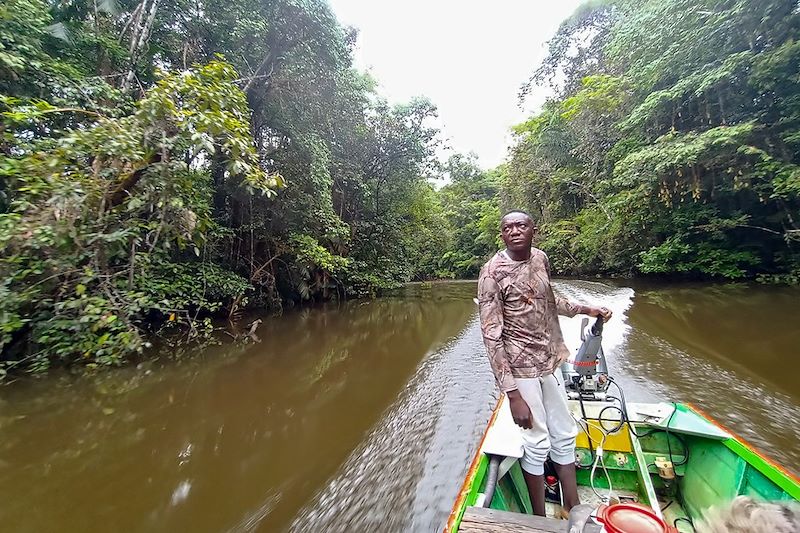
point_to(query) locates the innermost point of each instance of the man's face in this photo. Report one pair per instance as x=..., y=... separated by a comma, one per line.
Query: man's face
x=517, y=230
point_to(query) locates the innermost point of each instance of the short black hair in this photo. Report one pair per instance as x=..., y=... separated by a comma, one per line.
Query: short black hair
x=520, y=211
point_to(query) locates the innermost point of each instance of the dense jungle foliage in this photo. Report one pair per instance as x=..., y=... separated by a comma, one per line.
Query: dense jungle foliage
x=164, y=163
x=672, y=144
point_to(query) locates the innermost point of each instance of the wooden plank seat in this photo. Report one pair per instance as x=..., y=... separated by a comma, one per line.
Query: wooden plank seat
x=482, y=520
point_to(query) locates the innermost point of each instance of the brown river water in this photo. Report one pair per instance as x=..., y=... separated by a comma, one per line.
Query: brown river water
x=362, y=416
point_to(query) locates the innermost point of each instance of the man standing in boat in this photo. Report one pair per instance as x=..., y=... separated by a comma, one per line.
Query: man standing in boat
x=519, y=322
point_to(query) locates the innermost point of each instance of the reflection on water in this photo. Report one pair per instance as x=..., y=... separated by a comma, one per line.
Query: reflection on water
x=362, y=416
x=727, y=348
x=405, y=474
x=237, y=439
x=752, y=330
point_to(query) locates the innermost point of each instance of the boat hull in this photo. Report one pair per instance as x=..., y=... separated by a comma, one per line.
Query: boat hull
x=710, y=463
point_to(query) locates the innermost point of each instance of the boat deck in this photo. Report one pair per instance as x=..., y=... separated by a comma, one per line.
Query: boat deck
x=482, y=520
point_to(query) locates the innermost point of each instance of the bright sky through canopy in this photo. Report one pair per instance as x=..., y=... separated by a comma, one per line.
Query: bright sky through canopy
x=468, y=57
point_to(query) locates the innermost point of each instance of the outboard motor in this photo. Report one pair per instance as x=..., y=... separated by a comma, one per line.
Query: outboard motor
x=585, y=374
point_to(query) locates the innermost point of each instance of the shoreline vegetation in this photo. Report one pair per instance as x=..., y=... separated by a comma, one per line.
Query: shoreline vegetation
x=163, y=166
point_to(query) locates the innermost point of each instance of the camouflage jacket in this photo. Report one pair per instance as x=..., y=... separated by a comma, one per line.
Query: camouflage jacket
x=519, y=318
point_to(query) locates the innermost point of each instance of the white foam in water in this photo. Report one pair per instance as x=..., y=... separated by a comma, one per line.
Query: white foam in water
x=618, y=299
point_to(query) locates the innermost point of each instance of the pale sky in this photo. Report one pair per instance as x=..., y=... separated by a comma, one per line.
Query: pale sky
x=468, y=57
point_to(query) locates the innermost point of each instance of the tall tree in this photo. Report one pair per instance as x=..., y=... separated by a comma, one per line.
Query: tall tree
x=672, y=144
x=164, y=162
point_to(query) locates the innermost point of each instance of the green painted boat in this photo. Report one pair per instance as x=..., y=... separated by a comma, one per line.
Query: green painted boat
x=671, y=457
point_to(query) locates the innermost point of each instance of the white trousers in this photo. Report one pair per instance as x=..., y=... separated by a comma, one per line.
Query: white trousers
x=554, y=430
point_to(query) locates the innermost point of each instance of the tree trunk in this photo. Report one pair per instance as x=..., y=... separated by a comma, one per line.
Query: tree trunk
x=139, y=37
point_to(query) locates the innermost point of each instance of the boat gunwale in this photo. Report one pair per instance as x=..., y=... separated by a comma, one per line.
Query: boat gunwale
x=457, y=512
x=787, y=481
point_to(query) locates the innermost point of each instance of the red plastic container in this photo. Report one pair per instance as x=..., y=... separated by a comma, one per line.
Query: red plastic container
x=631, y=518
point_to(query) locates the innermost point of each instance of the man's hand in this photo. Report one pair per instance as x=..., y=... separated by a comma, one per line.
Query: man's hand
x=520, y=410
x=604, y=312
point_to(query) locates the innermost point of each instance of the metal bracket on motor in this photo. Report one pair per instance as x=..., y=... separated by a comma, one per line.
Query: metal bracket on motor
x=585, y=373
